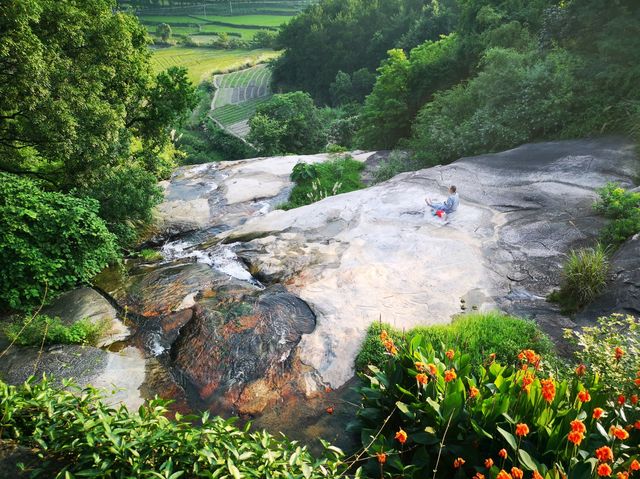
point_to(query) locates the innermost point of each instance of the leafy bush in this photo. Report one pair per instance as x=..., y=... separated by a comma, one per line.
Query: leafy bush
x=314, y=182
x=481, y=334
x=42, y=329
x=149, y=254
x=398, y=162
x=79, y=435
x=48, y=241
x=623, y=208
x=430, y=413
x=619, y=369
x=584, y=277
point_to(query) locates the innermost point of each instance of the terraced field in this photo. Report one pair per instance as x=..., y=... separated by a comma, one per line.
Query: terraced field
x=202, y=62
x=237, y=97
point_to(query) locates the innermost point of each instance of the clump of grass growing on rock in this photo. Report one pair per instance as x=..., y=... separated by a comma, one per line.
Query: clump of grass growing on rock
x=584, y=278
x=478, y=334
x=43, y=329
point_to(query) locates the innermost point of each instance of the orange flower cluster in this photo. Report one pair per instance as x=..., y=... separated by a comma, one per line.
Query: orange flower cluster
x=637, y=425
x=522, y=429
x=527, y=380
x=450, y=353
x=422, y=378
x=584, y=396
x=622, y=475
x=458, y=463
x=503, y=475
x=635, y=465
x=536, y=475
x=604, y=454
x=450, y=375
x=619, y=352
x=529, y=356
x=502, y=453
x=604, y=470
x=478, y=476
x=576, y=435
x=619, y=433
x=517, y=473
x=621, y=399
x=548, y=389
x=382, y=457
x=432, y=369
x=488, y=463
x=581, y=370
x=422, y=367
x=401, y=436
x=598, y=413
x=473, y=392
x=634, y=399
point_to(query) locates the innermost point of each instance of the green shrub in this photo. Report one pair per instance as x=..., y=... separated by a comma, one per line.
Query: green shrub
x=432, y=414
x=398, y=162
x=596, y=348
x=584, y=276
x=48, y=241
x=79, y=435
x=316, y=181
x=479, y=334
x=149, y=254
x=42, y=329
x=623, y=208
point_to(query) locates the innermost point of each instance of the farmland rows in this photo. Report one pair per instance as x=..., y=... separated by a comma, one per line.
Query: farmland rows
x=230, y=114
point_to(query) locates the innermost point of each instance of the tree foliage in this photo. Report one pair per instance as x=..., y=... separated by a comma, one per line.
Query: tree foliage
x=287, y=123
x=48, y=241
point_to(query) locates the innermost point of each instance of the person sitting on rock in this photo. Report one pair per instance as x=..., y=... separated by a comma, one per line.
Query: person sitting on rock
x=449, y=206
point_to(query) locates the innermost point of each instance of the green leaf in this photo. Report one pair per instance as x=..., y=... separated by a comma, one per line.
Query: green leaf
x=405, y=410
x=526, y=460
x=233, y=469
x=511, y=440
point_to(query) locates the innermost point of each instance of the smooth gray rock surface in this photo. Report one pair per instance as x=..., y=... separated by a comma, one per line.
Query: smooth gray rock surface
x=87, y=303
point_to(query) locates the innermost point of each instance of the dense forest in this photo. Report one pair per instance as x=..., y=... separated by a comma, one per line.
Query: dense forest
x=461, y=77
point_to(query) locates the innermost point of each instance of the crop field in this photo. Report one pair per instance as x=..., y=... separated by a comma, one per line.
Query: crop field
x=202, y=62
x=272, y=21
x=238, y=95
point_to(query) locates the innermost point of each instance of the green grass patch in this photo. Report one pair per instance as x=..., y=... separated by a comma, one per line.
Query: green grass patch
x=623, y=209
x=202, y=62
x=230, y=114
x=170, y=19
x=34, y=331
x=584, y=276
x=478, y=334
x=149, y=254
x=314, y=182
x=249, y=20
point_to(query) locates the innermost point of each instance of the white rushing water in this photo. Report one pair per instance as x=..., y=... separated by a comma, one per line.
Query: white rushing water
x=221, y=258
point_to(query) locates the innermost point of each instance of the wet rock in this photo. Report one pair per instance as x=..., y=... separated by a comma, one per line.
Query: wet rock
x=236, y=351
x=121, y=372
x=86, y=303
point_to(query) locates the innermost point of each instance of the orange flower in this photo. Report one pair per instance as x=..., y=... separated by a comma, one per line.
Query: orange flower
x=401, y=436
x=384, y=335
x=581, y=370
x=637, y=382
x=634, y=399
x=619, y=353
x=598, y=413
x=635, y=465
x=621, y=399
x=584, y=396
x=522, y=430
x=604, y=454
x=517, y=473
x=578, y=426
x=432, y=369
x=492, y=357
x=536, y=475
x=450, y=353
x=527, y=380
x=575, y=437
x=478, y=476
x=619, y=433
x=622, y=475
x=382, y=457
x=420, y=367
x=604, y=470
x=488, y=463
x=422, y=378
x=450, y=375
x=329, y=410
x=548, y=389
x=458, y=463
x=389, y=346
x=637, y=425
x=503, y=475
x=502, y=453
x=473, y=392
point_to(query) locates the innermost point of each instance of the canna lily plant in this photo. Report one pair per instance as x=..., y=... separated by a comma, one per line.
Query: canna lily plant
x=493, y=421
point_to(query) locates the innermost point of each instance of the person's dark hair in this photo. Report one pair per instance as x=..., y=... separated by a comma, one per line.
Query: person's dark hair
x=453, y=188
